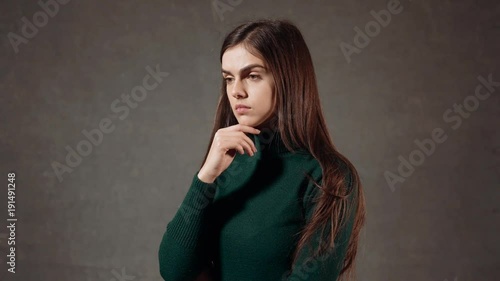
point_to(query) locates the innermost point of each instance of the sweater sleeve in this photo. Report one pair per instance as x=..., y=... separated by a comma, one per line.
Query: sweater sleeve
x=329, y=265
x=183, y=249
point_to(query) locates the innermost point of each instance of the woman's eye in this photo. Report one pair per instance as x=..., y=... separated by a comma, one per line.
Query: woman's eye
x=251, y=76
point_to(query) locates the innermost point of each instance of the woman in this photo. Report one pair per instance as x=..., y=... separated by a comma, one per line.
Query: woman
x=273, y=198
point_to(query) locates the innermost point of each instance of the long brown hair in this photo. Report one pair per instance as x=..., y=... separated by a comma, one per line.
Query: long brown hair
x=301, y=124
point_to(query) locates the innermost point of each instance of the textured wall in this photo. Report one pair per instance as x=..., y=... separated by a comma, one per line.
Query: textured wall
x=103, y=216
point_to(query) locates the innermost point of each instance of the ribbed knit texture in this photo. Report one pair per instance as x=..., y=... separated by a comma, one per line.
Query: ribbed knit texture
x=246, y=224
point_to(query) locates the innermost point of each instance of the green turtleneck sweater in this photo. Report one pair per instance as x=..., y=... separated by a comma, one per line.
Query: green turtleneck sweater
x=245, y=224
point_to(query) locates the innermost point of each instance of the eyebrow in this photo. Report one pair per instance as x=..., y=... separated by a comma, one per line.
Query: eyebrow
x=246, y=68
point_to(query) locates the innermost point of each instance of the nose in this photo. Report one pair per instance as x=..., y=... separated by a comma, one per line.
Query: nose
x=237, y=89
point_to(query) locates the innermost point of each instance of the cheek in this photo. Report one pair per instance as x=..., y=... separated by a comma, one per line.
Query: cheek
x=268, y=100
x=265, y=93
x=264, y=107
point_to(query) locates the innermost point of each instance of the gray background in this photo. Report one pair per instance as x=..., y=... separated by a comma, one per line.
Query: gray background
x=110, y=212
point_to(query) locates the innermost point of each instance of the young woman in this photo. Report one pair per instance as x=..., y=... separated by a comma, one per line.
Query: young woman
x=273, y=198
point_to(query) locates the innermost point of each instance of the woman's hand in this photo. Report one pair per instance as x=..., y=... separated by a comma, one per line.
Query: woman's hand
x=227, y=141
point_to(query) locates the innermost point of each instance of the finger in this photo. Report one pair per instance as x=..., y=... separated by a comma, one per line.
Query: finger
x=240, y=149
x=232, y=145
x=238, y=143
x=230, y=142
x=244, y=140
x=247, y=146
x=250, y=142
x=245, y=128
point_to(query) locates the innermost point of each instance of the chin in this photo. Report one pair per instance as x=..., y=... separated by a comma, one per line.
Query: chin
x=249, y=123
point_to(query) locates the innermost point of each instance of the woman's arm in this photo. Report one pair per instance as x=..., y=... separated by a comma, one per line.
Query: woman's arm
x=183, y=250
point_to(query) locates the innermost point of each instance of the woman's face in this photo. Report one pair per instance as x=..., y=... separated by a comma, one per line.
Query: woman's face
x=250, y=84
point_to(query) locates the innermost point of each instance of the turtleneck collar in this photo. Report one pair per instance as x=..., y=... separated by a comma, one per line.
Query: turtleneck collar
x=270, y=142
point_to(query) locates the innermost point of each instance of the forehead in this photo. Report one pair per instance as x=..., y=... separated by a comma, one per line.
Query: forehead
x=237, y=57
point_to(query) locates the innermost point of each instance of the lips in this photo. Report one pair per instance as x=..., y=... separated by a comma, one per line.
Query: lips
x=241, y=109
x=241, y=106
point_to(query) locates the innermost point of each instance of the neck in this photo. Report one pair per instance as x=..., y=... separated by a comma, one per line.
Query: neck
x=269, y=141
